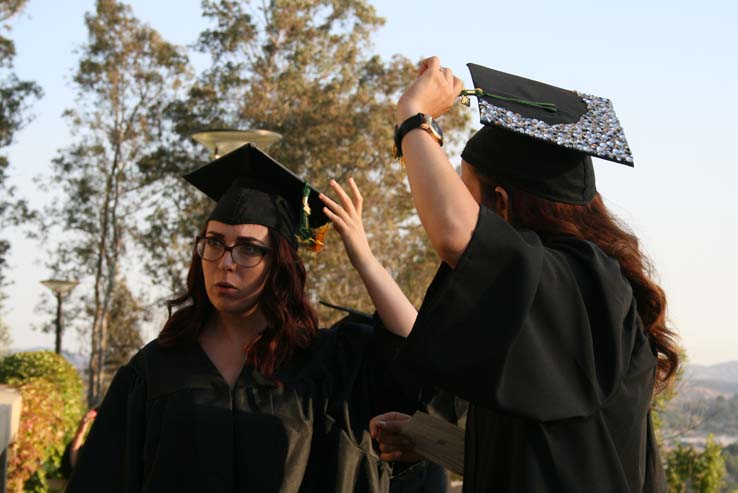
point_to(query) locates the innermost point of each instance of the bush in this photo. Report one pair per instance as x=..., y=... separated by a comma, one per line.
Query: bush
x=688, y=469
x=59, y=372
x=52, y=407
x=38, y=432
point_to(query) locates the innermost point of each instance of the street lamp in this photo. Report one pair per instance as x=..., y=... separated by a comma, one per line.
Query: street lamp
x=60, y=288
x=222, y=141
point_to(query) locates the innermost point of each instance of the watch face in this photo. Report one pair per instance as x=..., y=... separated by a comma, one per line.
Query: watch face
x=432, y=125
x=436, y=128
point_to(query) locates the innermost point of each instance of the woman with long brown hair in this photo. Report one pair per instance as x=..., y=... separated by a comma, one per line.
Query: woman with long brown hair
x=241, y=391
x=544, y=313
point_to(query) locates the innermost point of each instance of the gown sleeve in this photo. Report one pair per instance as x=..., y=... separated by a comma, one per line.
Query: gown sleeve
x=111, y=458
x=534, y=331
x=365, y=350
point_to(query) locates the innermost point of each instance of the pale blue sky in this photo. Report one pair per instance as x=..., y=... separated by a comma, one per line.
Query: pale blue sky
x=670, y=68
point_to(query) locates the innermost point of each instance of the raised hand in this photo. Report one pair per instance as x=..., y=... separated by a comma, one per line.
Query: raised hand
x=395, y=310
x=433, y=92
x=346, y=218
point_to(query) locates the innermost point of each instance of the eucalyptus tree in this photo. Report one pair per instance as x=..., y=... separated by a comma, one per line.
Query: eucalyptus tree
x=126, y=76
x=306, y=70
x=15, y=98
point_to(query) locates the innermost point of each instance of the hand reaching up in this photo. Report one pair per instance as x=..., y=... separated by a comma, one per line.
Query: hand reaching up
x=346, y=218
x=395, y=310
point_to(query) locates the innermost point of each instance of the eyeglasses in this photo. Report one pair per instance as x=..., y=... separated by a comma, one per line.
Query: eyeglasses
x=243, y=254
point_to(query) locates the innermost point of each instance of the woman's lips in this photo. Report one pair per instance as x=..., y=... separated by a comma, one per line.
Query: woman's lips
x=225, y=288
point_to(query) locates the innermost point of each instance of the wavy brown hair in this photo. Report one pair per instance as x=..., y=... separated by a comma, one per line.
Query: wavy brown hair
x=594, y=222
x=291, y=320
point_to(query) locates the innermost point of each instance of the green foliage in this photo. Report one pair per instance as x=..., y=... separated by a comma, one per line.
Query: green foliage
x=126, y=76
x=124, y=329
x=5, y=339
x=40, y=432
x=55, y=369
x=52, y=406
x=689, y=470
x=15, y=97
x=730, y=455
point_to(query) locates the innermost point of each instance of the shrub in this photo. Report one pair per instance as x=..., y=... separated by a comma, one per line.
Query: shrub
x=59, y=372
x=39, y=430
x=50, y=412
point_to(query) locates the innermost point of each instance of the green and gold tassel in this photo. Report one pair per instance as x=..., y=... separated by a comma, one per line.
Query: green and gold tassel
x=307, y=237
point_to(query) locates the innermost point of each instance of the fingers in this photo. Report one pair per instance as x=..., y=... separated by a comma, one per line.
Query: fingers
x=454, y=82
x=374, y=425
x=447, y=74
x=391, y=439
x=392, y=417
x=432, y=63
x=335, y=209
x=388, y=422
x=348, y=206
x=358, y=199
x=391, y=457
x=337, y=221
x=458, y=85
x=429, y=63
x=351, y=207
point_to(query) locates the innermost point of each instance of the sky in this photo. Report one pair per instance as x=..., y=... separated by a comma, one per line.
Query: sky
x=670, y=69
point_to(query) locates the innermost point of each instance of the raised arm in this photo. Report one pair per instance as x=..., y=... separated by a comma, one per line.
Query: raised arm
x=395, y=310
x=447, y=210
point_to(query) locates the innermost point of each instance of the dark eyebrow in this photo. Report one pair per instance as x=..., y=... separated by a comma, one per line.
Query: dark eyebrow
x=240, y=239
x=248, y=238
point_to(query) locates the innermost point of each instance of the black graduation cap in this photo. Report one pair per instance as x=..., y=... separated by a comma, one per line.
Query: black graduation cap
x=250, y=187
x=539, y=138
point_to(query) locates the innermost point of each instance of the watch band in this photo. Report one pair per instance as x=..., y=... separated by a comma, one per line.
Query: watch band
x=416, y=121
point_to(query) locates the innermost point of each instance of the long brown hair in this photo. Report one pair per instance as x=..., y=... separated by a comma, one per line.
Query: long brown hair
x=594, y=222
x=291, y=321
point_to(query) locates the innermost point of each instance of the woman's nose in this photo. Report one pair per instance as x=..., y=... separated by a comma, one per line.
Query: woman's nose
x=226, y=261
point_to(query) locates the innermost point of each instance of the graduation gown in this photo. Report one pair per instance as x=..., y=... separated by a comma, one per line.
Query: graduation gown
x=170, y=422
x=544, y=339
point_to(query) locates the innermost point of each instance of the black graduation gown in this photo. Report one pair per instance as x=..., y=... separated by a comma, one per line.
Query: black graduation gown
x=544, y=340
x=169, y=422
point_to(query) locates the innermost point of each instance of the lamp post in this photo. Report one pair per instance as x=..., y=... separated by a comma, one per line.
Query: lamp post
x=222, y=141
x=60, y=288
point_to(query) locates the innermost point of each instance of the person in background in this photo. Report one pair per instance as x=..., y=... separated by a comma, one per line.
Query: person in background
x=71, y=452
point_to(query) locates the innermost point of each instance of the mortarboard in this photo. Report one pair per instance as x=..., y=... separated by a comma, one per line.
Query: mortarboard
x=250, y=187
x=539, y=138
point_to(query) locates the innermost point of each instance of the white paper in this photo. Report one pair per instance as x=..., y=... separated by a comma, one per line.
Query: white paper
x=437, y=440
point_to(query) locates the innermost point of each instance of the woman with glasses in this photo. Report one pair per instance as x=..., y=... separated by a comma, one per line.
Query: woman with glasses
x=241, y=391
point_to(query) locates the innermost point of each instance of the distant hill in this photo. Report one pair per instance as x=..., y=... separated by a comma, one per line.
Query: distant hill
x=721, y=372
x=706, y=402
x=701, y=382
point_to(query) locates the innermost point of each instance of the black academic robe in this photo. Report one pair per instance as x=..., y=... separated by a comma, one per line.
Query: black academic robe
x=544, y=339
x=170, y=422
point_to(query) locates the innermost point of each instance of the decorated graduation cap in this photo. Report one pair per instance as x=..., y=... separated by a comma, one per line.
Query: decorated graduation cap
x=250, y=187
x=540, y=138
